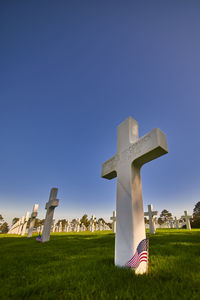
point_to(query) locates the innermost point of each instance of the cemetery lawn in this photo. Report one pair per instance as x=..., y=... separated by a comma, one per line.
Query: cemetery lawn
x=80, y=266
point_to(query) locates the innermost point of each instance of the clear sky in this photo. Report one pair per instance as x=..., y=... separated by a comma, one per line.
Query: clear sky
x=70, y=73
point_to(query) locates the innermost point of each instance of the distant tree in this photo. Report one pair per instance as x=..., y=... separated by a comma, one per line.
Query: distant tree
x=41, y=222
x=37, y=223
x=73, y=221
x=146, y=221
x=109, y=224
x=196, y=211
x=101, y=219
x=4, y=227
x=85, y=220
x=63, y=221
x=14, y=220
x=195, y=222
x=1, y=219
x=164, y=217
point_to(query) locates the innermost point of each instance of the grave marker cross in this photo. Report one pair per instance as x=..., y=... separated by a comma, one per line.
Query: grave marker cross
x=50, y=206
x=113, y=218
x=25, y=223
x=176, y=222
x=32, y=221
x=187, y=219
x=132, y=153
x=151, y=214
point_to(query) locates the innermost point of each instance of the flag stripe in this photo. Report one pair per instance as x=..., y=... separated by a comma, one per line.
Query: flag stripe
x=141, y=254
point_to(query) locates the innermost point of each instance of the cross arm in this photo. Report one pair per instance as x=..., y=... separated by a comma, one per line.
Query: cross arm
x=185, y=217
x=52, y=203
x=149, y=147
x=109, y=168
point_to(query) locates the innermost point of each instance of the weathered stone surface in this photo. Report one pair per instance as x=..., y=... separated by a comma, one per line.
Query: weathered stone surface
x=132, y=153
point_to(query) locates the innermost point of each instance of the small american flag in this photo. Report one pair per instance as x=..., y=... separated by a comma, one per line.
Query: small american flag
x=39, y=238
x=141, y=254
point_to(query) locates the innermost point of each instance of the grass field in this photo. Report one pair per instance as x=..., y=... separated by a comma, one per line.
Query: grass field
x=80, y=266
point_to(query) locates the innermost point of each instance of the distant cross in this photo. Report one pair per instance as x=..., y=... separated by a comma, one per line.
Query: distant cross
x=176, y=223
x=21, y=225
x=171, y=224
x=67, y=226
x=113, y=218
x=32, y=221
x=14, y=228
x=92, y=223
x=151, y=214
x=50, y=207
x=83, y=227
x=187, y=219
x=25, y=223
x=53, y=226
x=78, y=225
x=60, y=227
x=100, y=225
x=132, y=153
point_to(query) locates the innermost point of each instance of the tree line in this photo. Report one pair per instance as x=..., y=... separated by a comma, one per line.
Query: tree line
x=39, y=222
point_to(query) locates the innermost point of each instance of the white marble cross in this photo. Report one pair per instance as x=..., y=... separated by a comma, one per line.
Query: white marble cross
x=171, y=224
x=14, y=228
x=25, y=223
x=113, y=218
x=50, y=206
x=78, y=224
x=93, y=219
x=21, y=225
x=100, y=225
x=187, y=219
x=32, y=221
x=83, y=228
x=151, y=214
x=176, y=222
x=132, y=153
x=60, y=227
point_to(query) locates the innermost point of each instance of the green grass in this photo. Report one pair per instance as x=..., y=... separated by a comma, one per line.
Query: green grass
x=80, y=266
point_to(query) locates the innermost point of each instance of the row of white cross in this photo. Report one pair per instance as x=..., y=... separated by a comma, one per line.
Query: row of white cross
x=49, y=225
x=171, y=222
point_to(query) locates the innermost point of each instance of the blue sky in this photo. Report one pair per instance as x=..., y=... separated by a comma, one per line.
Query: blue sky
x=71, y=72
